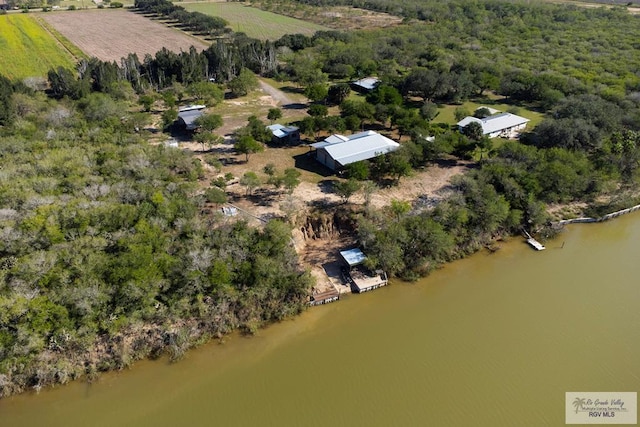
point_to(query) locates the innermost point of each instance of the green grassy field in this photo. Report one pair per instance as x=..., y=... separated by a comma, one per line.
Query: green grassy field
x=255, y=22
x=27, y=49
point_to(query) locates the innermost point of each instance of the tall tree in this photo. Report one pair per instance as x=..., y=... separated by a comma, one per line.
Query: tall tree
x=244, y=83
x=7, y=110
x=247, y=145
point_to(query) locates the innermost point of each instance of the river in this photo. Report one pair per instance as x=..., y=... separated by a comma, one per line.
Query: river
x=492, y=340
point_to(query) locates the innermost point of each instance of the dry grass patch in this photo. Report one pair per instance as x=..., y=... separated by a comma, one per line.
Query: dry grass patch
x=336, y=17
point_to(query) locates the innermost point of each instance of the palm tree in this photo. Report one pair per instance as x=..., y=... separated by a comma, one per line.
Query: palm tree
x=578, y=403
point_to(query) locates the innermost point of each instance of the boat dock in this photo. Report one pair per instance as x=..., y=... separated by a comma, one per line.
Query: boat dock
x=324, y=297
x=361, y=282
x=533, y=242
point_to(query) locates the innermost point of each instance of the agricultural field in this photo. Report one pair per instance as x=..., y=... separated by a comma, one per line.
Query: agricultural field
x=112, y=34
x=255, y=22
x=29, y=50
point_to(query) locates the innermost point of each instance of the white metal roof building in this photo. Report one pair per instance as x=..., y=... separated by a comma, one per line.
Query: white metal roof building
x=338, y=151
x=366, y=84
x=506, y=125
x=353, y=257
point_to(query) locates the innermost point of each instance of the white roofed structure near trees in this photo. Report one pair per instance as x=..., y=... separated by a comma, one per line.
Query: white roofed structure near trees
x=284, y=134
x=338, y=151
x=189, y=114
x=506, y=125
x=366, y=84
x=353, y=257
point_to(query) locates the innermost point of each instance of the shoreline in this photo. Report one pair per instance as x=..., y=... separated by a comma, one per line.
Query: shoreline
x=586, y=220
x=89, y=373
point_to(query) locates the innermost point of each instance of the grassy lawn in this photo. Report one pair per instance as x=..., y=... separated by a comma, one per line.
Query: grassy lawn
x=27, y=49
x=255, y=22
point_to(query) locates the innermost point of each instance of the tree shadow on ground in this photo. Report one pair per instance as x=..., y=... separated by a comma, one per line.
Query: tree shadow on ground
x=446, y=163
x=327, y=185
x=324, y=203
x=265, y=197
x=295, y=106
x=292, y=89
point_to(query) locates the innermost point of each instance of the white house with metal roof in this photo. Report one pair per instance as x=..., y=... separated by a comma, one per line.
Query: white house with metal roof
x=337, y=151
x=505, y=125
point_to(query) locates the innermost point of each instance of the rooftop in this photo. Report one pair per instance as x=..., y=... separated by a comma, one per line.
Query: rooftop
x=359, y=146
x=191, y=107
x=353, y=256
x=368, y=83
x=280, y=131
x=189, y=117
x=496, y=123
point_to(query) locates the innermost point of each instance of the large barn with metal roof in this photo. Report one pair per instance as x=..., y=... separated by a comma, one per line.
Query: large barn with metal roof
x=337, y=151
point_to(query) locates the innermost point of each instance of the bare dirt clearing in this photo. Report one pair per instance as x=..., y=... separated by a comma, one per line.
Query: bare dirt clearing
x=316, y=187
x=112, y=34
x=336, y=17
x=348, y=18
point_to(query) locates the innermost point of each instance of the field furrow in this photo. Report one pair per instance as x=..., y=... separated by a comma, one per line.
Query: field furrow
x=112, y=34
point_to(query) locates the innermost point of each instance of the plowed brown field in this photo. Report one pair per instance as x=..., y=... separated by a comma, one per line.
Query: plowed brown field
x=112, y=34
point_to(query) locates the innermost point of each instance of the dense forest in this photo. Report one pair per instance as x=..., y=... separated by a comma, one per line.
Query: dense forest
x=108, y=255
x=105, y=255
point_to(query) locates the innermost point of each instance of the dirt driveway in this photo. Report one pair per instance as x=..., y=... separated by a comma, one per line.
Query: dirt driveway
x=278, y=96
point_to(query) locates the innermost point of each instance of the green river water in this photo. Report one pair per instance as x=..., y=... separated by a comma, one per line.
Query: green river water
x=492, y=340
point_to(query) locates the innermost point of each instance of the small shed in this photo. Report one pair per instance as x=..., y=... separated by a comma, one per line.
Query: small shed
x=284, y=134
x=353, y=257
x=189, y=114
x=365, y=85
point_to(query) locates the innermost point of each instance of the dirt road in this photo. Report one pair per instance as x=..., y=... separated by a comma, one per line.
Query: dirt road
x=279, y=96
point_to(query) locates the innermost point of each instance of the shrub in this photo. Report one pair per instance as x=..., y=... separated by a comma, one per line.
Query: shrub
x=115, y=5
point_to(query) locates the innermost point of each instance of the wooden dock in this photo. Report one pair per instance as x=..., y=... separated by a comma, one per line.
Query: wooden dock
x=533, y=242
x=325, y=297
x=537, y=245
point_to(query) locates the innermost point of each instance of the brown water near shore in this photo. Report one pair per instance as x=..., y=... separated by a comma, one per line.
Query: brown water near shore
x=493, y=340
